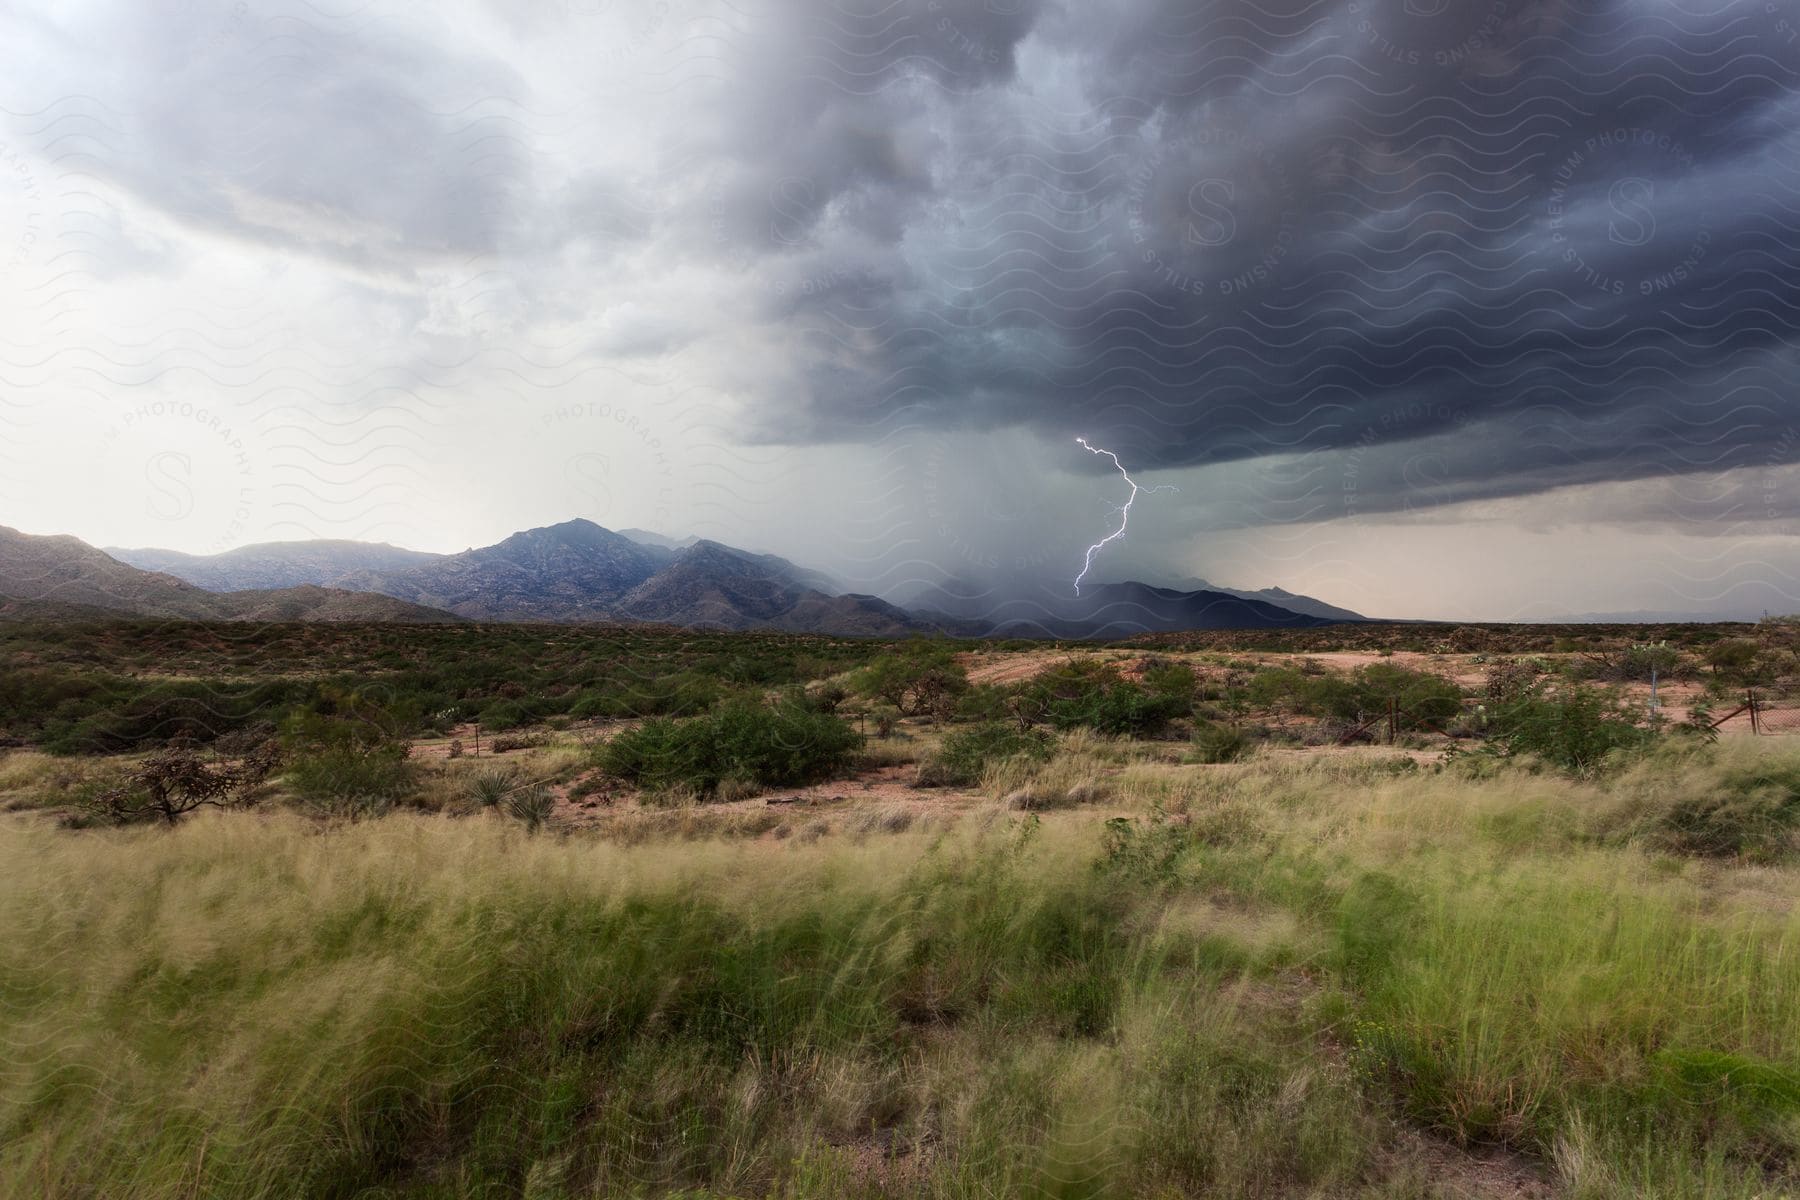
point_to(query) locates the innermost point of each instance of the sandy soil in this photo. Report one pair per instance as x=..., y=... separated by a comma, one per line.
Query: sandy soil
x=882, y=789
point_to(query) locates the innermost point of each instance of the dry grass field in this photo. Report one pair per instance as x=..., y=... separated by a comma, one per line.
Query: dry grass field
x=917, y=920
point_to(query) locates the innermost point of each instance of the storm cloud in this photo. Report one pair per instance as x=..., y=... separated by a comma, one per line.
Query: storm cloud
x=1341, y=258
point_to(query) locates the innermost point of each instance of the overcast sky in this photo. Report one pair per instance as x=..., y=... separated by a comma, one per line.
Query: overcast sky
x=1466, y=308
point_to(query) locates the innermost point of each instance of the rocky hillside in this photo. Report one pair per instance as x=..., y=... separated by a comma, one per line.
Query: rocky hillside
x=574, y=571
x=713, y=586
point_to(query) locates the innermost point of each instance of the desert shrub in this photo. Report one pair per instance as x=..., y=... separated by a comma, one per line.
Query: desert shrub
x=1509, y=679
x=1635, y=662
x=826, y=697
x=1736, y=660
x=345, y=747
x=1421, y=697
x=502, y=715
x=323, y=775
x=984, y=702
x=675, y=694
x=179, y=779
x=922, y=681
x=1219, y=743
x=885, y=718
x=1093, y=695
x=1572, y=727
x=1165, y=677
x=770, y=745
x=966, y=753
x=114, y=715
x=1284, y=688
x=519, y=741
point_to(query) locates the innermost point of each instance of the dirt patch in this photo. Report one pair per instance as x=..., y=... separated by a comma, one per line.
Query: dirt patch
x=886, y=790
x=478, y=742
x=1016, y=667
x=889, y=1160
x=1424, y=757
x=1478, y=1173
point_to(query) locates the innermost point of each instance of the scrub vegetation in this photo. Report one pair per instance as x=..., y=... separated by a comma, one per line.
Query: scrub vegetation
x=920, y=919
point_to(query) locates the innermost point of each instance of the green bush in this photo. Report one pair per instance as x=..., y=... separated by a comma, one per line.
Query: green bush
x=346, y=746
x=923, y=681
x=1572, y=727
x=966, y=753
x=1176, y=680
x=1093, y=695
x=319, y=775
x=984, y=702
x=1420, y=697
x=777, y=745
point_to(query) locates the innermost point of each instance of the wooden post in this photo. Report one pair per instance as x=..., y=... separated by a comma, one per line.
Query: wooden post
x=1750, y=703
x=1393, y=720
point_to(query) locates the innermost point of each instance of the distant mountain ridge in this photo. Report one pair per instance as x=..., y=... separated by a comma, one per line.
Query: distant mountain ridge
x=61, y=577
x=1281, y=597
x=580, y=571
x=1105, y=610
x=573, y=571
x=273, y=564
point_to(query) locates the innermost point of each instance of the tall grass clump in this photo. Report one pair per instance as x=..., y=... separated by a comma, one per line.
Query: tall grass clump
x=423, y=1007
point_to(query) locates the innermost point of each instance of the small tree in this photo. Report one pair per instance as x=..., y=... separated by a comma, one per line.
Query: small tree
x=1733, y=658
x=178, y=779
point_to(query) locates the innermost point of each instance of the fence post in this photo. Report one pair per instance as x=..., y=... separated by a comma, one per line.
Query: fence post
x=1393, y=720
x=1750, y=703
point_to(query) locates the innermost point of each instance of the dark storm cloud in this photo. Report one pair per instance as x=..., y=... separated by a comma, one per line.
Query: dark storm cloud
x=1336, y=233
x=1225, y=231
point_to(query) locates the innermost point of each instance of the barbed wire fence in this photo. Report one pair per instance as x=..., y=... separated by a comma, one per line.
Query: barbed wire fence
x=1756, y=711
x=1762, y=712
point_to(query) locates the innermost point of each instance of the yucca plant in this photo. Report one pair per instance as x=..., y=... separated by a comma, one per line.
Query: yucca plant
x=490, y=787
x=531, y=805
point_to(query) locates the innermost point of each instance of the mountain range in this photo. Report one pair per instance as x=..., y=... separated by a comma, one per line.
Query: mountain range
x=60, y=576
x=580, y=571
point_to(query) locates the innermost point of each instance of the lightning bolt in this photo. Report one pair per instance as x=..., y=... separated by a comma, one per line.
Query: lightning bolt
x=1124, y=512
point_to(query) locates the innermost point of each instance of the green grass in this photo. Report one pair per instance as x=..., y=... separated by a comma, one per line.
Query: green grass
x=1283, y=976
